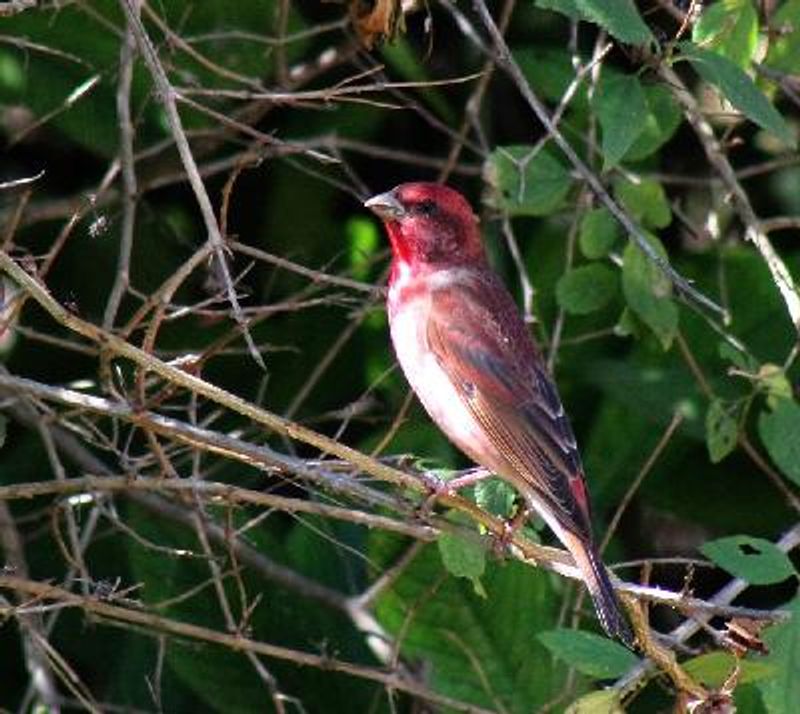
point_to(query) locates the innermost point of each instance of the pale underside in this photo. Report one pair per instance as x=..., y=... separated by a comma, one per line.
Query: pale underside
x=445, y=403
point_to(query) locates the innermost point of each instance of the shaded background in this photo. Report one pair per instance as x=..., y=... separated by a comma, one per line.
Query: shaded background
x=288, y=153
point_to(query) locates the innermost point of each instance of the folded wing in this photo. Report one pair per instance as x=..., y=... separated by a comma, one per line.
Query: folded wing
x=487, y=353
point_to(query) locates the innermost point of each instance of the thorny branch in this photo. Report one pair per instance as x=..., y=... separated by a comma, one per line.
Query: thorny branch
x=185, y=419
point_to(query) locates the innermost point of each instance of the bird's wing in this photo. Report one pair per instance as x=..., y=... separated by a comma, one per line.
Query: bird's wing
x=487, y=354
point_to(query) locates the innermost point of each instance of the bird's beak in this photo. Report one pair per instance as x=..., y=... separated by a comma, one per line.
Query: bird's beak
x=386, y=206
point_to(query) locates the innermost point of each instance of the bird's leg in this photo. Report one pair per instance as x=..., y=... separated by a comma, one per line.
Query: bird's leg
x=468, y=477
x=438, y=487
x=510, y=527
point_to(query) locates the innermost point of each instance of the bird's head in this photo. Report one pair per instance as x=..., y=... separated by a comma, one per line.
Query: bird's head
x=429, y=225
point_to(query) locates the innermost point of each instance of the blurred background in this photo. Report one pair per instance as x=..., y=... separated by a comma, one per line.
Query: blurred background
x=291, y=114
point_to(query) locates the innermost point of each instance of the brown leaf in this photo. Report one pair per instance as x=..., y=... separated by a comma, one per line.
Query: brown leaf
x=377, y=19
x=743, y=635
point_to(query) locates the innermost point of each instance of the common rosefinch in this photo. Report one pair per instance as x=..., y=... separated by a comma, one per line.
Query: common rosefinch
x=470, y=359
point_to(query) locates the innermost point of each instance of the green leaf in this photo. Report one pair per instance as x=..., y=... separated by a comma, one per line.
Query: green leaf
x=565, y=7
x=12, y=74
x=481, y=651
x=628, y=325
x=550, y=72
x=664, y=116
x=619, y=17
x=729, y=27
x=722, y=430
x=737, y=357
x=756, y=560
x=606, y=701
x=780, y=432
x=586, y=289
x=526, y=183
x=590, y=654
x=621, y=107
x=363, y=241
x=739, y=90
x=598, y=232
x=782, y=692
x=645, y=200
x=462, y=558
x=784, y=49
x=772, y=379
x=496, y=497
x=714, y=668
x=647, y=291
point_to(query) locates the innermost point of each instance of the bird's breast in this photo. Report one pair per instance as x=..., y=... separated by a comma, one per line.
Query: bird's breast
x=409, y=308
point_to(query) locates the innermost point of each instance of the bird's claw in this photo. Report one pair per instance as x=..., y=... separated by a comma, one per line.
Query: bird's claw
x=510, y=528
x=437, y=487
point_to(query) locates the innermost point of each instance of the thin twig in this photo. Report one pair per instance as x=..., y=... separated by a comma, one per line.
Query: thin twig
x=126, y=158
x=167, y=95
x=117, y=614
x=506, y=60
x=780, y=274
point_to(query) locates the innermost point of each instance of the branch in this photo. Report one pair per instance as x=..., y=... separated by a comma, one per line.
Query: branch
x=506, y=60
x=116, y=614
x=754, y=229
x=683, y=632
x=167, y=95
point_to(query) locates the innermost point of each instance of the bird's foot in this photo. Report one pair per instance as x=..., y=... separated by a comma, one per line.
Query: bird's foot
x=436, y=487
x=511, y=527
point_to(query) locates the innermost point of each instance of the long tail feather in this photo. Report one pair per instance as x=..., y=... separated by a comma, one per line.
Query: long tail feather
x=606, y=603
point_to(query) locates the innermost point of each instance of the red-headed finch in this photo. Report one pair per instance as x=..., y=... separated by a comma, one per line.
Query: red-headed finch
x=470, y=359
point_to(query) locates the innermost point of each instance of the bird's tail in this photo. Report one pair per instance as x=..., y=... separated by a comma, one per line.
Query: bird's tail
x=606, y=603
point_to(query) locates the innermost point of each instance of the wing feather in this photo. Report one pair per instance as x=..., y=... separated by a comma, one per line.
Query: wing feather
x=485, y=349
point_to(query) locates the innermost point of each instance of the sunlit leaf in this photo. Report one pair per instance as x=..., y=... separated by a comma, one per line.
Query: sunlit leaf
x=463, y=558
x=646, y=201
x=729, y=27
x=772, y=379
x=606, y=701
x=363, y=239
x=714, y=668
x=784, y=46
x=495, y=496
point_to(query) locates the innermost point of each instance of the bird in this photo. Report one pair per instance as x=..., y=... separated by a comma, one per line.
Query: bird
x=466, y=352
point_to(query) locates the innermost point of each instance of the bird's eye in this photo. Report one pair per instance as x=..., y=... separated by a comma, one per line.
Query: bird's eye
x=425, y=208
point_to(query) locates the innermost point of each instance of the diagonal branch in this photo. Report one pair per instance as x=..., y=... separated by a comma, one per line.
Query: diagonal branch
x=168, y=98
x=753, y=226
x=506, y=60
